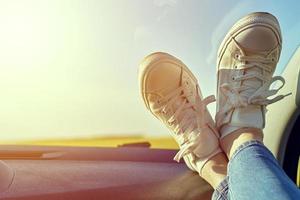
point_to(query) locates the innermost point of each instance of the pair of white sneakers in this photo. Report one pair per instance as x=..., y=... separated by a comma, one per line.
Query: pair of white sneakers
x=246, y=62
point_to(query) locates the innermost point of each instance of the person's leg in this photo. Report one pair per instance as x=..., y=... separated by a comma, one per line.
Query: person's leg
x=232, y=141
x=255, y=174
x=171, y=93
x=215, y=170
x=246, y=63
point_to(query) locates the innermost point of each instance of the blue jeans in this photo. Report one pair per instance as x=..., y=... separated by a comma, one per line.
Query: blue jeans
x=253, y=173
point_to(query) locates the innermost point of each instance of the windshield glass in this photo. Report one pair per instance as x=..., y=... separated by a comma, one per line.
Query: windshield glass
x=69, y=68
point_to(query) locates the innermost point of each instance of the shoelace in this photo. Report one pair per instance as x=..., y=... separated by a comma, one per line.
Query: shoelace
x=237, y=96
x=191, y=124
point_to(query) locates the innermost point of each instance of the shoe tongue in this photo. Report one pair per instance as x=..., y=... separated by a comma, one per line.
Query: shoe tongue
x=254, y=82
x=176, y=104
x=252, y=52
x=173, y=108
x=185, y=111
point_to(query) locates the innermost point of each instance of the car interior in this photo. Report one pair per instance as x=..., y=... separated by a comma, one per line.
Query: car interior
x=72, y=123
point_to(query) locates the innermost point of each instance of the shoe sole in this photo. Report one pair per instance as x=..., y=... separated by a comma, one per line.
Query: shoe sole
x=151, y=61
x=253, y=19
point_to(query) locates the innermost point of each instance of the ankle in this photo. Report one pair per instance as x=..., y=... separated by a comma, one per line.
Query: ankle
x=215, y=169
x=233, y=140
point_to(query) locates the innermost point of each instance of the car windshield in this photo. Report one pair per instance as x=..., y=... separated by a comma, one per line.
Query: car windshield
x=69, y=68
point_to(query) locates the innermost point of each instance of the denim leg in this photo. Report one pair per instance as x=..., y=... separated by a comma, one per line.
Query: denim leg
x=253, y=173
x=221, y=191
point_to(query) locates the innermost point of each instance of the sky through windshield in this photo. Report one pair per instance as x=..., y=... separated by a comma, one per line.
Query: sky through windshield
x=69, y=67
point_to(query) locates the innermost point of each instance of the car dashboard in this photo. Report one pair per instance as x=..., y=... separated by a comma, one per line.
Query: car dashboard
x=97, y=173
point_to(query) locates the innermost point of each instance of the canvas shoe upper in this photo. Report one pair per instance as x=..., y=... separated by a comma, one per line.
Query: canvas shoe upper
x=171, y=92
x=246, y=62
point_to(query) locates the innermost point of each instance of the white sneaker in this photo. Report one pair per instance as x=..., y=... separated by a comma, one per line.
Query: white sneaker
x=171, y=92
x=246, y=62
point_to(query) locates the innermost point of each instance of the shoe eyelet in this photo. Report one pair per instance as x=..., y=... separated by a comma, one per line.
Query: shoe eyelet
x=235, y=67
x=233, y=78
x=237, y=56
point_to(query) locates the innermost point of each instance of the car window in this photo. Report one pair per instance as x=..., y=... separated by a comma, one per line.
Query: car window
x=69, y=68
